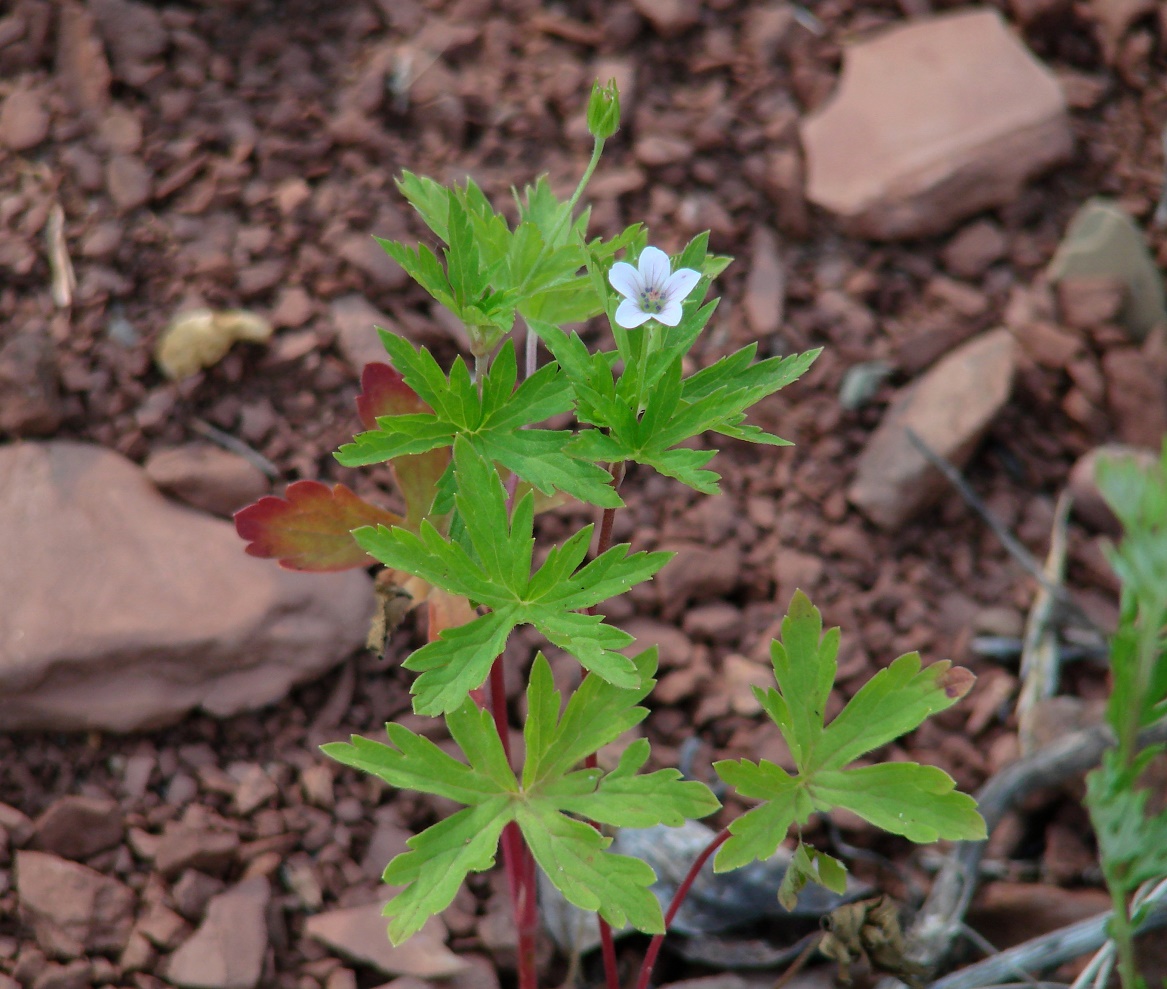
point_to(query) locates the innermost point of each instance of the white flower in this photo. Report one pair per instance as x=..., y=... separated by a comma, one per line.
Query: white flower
x=652, y=292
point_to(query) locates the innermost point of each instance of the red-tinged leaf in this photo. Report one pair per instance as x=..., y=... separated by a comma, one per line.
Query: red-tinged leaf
x=417, y=476
x=447, y=610
x=385, y=393
x=309, y=528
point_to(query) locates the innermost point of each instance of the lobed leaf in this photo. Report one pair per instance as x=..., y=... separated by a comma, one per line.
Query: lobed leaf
x=310, y=527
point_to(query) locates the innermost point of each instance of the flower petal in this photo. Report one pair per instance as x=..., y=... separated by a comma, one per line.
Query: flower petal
x=670, y=315
x=681, y=282
x=626, y=280
x=630, y=315
x=654, y=267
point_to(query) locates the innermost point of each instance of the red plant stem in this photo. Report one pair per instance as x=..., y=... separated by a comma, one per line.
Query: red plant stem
x=518, y=862
x=678, y=898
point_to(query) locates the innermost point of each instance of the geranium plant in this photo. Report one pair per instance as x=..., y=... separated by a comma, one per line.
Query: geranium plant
x=474, y=463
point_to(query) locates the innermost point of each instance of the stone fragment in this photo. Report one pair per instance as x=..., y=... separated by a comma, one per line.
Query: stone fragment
x=162, y=927
x=1089, y=505
x=765, y=298
x=255, y=789
x=193, y=891
x=949, y=408
x=1103, y=240
x=16, y=825
x=658, y=150
x=24, y=121
x=739, y=676
x=366, y=255
x=933, y=121
x=672, y=645
x=355, y=321
x=359, y=934
x=227, y=950
x=1087, y=302
x=697, y=573
x=71, y=908
x=669, y=18
x=1136, y=397
x=207, y=477
x=387, y=842
x=184, y=847
x=210, y=627
x=1048, y=345
x=76, y=827
x=974, y=248
x=1008, y=913
x=30, y=398
x=128, y=181
x=293, y=308
x=71, y=975
x=81, y=63
x=135, y=35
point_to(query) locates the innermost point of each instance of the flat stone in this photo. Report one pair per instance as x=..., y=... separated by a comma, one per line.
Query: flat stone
x=1136, y=397
x=207, y=477
x=932, y=122
x=77, y=827
x=949, y=408
x=81, y=63
x=355, y=321
x=71, y=908
x=128, y=181
x=974, y=248
x=227, y=951
x=24, y=121
x=360, y=935
x=1103, y=240
x=30, y=398
x=669, y=17
x=367, y=256
x=697, y=573
x=765, y=298
x=183, y=847
x=128, y=610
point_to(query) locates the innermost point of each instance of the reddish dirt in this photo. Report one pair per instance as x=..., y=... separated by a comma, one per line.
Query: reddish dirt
x=268, y=146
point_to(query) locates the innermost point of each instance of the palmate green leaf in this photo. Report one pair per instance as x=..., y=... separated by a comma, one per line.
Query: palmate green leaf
x=491, y=566
x=918, y=802
x=904, y=798
x=572, y=853
x=493, y=422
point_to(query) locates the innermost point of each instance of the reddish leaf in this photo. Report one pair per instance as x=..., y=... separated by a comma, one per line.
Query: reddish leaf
x=385, y=393
x=309, y=528
x=417, y=476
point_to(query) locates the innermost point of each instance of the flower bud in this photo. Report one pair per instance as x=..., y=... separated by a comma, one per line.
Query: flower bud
x=604, y=110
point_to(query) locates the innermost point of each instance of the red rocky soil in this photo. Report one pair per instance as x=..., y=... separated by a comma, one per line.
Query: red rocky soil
x=240, y=154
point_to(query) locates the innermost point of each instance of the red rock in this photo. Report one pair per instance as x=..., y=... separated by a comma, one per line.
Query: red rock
x=949, y=408
x=77, y=827
x=183, y=847
x=24, y=121
x=932, y=122
x=81, y=62
x=355, y=321
x=669, y=18
x=129, y=182
x=765, y=298
x=211, y=627
x=1089, y=301
x=673, y=646
x=73, y=975
x=974, y=248
x=359, y=934
x=135, y=35
x=367, y=256
x=658, y=150
x=30, y=400
x=1009, y=913
x=207, y=477
x=1048, y=345
x=1136, y=397
x=193, y=891
x=227, y=951
x=71, y=908
x=293, y=308
x=697, y=573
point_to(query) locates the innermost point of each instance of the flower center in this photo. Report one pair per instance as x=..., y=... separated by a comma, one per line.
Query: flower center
x=651, y=300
